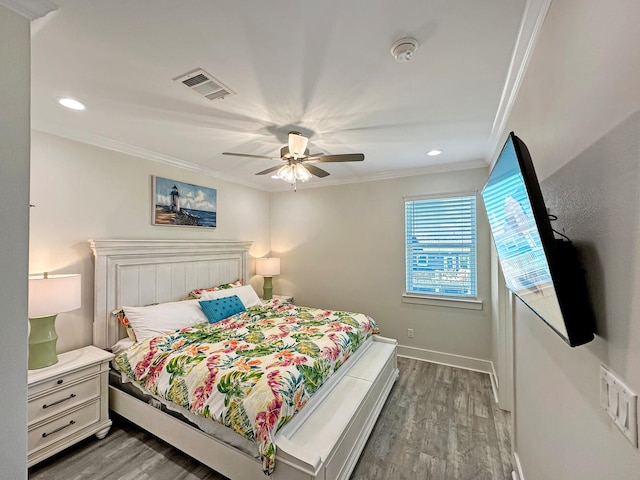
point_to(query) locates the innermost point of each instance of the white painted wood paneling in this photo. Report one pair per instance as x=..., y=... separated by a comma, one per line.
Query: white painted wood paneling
x=138, y=272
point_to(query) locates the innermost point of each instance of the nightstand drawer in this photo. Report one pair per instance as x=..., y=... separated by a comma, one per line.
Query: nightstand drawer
x=63, y=379
x=64, y=426
x=64, y=399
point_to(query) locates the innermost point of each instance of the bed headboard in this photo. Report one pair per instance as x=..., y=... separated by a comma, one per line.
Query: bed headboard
x=141, y=272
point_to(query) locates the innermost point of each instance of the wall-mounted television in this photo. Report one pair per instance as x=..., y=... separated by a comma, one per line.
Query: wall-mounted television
x=540, y=269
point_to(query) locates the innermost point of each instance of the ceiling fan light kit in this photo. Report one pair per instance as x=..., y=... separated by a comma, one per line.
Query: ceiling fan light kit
x=286, y=173
x=301, y=172
x=293, y=173
x=404, y=49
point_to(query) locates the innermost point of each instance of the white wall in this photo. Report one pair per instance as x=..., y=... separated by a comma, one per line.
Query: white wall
x=342, y=247
x=14, y=238
x=82, y=192
x=578, y=111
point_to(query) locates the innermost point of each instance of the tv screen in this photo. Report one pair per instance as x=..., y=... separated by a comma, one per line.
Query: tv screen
x=543, y=271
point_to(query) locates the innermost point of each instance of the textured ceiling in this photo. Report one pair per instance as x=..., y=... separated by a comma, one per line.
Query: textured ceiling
x=323, y=68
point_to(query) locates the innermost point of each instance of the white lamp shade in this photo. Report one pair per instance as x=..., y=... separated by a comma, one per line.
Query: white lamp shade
x=53, y=294
x=297, y=144
x=268, y=267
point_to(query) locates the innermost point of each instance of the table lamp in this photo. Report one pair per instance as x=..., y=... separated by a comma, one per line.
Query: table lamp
x=49, y=295
x=267, y=267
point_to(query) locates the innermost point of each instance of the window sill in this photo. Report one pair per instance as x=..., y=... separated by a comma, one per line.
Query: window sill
x=466, y=303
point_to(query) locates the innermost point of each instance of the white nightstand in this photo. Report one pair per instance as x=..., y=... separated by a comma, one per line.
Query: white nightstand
x=282, y=298
x=68, y=402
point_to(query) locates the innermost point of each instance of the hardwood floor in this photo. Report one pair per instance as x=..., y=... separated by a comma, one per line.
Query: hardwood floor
x=439, y=423
x=126, y=453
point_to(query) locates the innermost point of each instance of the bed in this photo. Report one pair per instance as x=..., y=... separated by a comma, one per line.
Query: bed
x=323, y=440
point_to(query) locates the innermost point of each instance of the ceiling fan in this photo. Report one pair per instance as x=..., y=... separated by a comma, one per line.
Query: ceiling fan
x=298, y=164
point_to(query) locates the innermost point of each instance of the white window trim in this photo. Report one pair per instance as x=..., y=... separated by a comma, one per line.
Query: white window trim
x=452, y=302
x=435, y=196
x=467, y=303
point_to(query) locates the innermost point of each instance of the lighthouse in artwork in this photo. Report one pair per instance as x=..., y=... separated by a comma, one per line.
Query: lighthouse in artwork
x=175, y=200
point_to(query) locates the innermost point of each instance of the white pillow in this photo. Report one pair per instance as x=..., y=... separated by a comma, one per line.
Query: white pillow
x=122, y=345
x=155, y=320
x=247, y=295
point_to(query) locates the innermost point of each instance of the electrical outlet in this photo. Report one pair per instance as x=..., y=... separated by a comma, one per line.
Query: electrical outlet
x=620, y=403
x=410, y=332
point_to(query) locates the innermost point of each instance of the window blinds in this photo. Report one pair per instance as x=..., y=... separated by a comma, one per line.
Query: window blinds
x=441, y=246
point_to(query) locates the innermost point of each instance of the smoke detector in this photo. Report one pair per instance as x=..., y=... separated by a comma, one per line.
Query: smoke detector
x=404, y=49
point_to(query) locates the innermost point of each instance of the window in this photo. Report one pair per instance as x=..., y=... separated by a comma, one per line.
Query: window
x=440, y=239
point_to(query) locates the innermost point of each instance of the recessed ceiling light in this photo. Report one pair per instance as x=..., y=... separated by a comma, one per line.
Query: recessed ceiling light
x=71, y=103
x=434, y=152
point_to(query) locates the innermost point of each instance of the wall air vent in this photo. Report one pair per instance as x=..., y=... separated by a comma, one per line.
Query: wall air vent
x=204, y=84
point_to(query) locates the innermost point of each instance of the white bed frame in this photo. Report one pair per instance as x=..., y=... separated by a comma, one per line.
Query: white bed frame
x=309, y=447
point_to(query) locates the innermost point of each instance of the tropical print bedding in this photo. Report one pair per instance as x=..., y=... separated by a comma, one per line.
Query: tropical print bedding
x=251, y=371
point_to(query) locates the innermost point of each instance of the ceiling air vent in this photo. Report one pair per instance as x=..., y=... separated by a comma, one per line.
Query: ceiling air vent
x=204, y=84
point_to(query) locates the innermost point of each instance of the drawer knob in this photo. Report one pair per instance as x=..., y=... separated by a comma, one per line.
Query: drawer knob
x=73, y=395
x=45, y=434
x=59, y=382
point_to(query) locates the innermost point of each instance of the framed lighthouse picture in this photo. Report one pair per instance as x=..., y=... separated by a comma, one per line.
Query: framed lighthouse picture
x=183, y=204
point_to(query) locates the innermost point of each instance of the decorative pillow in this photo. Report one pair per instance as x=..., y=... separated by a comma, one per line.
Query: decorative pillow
x=247, y=295
x=221, y=308
x=196, y=293
x=154, y=320
x=124, y=321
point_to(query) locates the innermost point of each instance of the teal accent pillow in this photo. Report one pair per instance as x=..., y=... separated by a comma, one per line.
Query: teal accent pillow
x=221, y=308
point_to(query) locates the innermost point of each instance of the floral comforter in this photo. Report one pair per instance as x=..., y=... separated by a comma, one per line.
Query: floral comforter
x=251, y=371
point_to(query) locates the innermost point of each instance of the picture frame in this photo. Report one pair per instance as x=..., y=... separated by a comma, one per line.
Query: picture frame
x=176, y=203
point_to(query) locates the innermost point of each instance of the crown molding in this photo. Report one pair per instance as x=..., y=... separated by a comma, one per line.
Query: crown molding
x=279, y=186
x=535, y=11
x=134, y=151
x=30, y=9
x=408, y=172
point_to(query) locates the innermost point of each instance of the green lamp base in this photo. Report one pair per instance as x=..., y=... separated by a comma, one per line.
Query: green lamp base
x=267, y=289
x=42, y=342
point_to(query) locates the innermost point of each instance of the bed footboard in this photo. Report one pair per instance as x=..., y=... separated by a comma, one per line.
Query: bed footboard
x=339, y=427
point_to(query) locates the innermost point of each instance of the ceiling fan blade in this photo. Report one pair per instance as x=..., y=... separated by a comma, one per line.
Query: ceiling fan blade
x=345, y=157
x=318, y=172
x=250, y=156
x=269, y=170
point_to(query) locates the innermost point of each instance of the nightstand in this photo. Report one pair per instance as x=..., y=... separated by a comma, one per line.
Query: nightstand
x=68, y=402
x=284, y=298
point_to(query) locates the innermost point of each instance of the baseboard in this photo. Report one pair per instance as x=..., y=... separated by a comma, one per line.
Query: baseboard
x=450, y=359
x=517, y=475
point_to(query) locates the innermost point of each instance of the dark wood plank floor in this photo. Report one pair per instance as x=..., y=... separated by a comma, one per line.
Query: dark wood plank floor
x=439, y=423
